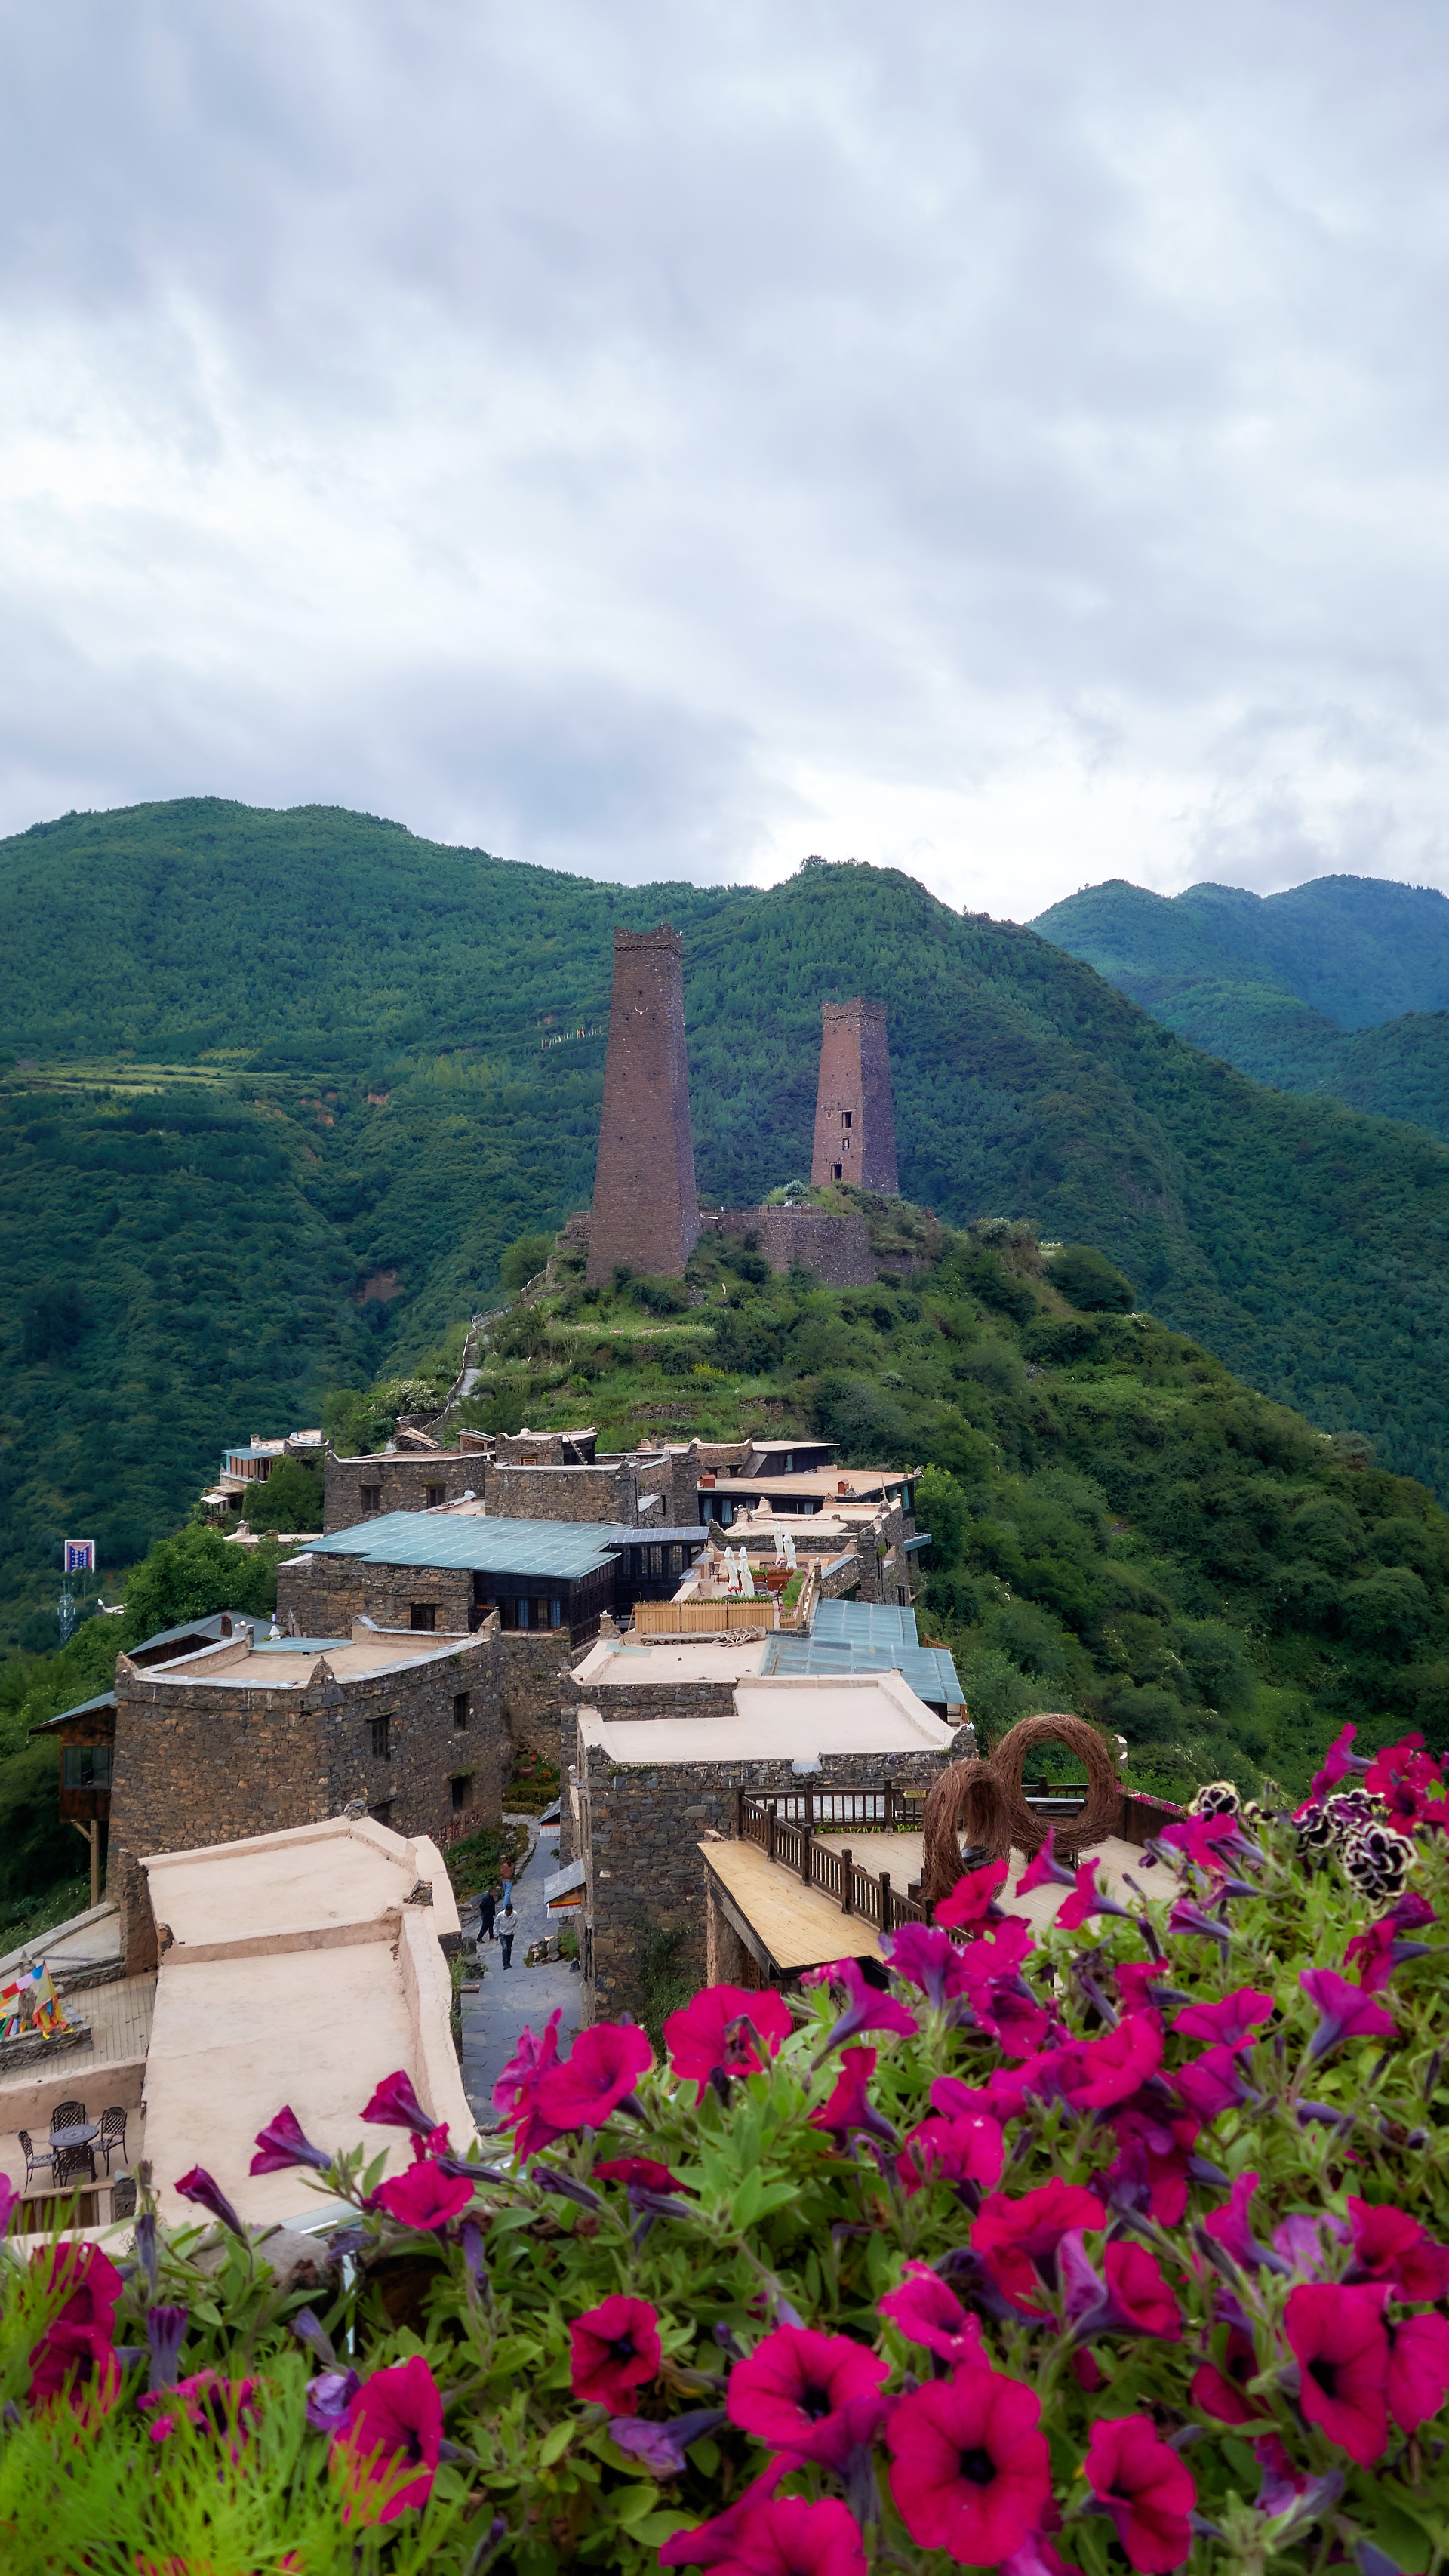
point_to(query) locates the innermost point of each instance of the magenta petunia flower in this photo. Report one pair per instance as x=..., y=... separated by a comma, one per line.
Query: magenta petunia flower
x=1218, y=2388
x=606, y=2064
x=951, y=2151
x=75, y=2363
x=1151, y=2168
x=199, y=2186
x=281, y=2144
x=394, y=2105
x=850, y=2106
x=1147, y=2490
x=1046, y=1870
x=1201, y=1841
x=973, y=1899
x=1392, y=2247
x=393, y=2427
x=1232, y=2228
x=1191, y=1921
x=1017, y=2240
x=1140, y=2295
x=1418, y=2381
x=615, y=2350
x=868, y=2008
x=90, y=2281
x=1086, y=1899
x=640, y=2172
x=1337, y=2338
x=1230, y=2023
x=1212, y=2084
x=725, y=2031
x=424, y=2196
x=1142, y=1987
x=712, y=2544
x=928, y=1958
x=516, y=2092
x=970, y=2472
x=1339, y=1763
x=795, y=2538
x=927, y=2312
x=1113, y=2067
x=1344, y=2010
x=813, y=2395
x=207, y=2401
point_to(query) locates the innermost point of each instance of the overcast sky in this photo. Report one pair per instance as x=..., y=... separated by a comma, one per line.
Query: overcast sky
x=1005, y=442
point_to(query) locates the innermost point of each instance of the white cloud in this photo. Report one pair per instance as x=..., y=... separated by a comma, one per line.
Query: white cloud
x=1001, y=443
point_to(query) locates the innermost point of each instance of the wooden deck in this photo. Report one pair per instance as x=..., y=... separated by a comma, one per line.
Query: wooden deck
x=798, y=1926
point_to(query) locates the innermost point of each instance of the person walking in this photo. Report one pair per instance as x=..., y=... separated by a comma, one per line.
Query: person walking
x=506, y=1925
x=487, y=1907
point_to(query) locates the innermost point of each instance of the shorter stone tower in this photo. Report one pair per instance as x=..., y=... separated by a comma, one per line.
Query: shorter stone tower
x=646, y=1207
x=855, y=1134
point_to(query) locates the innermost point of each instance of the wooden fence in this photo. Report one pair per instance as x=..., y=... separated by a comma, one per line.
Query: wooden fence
x=792, y=1842
x=702, y=1618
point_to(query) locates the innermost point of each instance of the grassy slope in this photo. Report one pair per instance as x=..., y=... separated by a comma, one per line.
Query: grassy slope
x=219, y=1228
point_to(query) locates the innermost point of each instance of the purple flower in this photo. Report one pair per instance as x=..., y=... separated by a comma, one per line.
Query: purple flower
x=926, y=1958
x=145, y=2241
x=328, y=2399
x=660, y=2448
x=1213, y=2083
x=1046, y=1870
x=850, y=2105
x=1230, y=2228
x=1300, y=2239
x=165, y=2333
x=199, y=2186
x=868, y=2009
x=395, y=2105
x=281, y=2144
x=1189, y=1918
x=309, y=2328
x=1344, y=2010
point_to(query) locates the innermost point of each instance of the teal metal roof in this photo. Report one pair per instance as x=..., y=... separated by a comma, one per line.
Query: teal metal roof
x=928, y=1669
x=565, y=1548
x=864, y=1623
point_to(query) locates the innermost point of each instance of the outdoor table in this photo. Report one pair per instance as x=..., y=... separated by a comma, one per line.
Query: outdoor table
x=79, y=2135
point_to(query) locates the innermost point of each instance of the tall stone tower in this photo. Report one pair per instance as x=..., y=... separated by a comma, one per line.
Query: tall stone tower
x=855, y=1133
x=646, y=1208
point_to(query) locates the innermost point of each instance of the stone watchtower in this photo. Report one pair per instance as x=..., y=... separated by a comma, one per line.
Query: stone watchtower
x=855, y=1134
x=646, y=1207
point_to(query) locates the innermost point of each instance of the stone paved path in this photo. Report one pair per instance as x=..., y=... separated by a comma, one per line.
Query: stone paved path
x=508, y=2001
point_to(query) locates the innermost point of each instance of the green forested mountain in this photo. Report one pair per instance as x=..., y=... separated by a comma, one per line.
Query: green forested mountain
x=1339, y=987
x=301, y=1077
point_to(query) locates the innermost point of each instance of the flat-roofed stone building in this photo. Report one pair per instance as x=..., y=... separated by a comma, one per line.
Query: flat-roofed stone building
x=248, y=1735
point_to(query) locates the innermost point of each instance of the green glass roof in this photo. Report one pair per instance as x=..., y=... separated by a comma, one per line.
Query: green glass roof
x=564, y=1548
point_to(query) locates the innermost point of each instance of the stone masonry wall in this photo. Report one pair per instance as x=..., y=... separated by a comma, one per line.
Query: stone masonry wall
x=199, y=1763
x=601, y=1493
x=328, y=1592
x=855, y=1137
x=836, y=1248
x=640, y=1831
x=646, y=1206
x=402, y=1482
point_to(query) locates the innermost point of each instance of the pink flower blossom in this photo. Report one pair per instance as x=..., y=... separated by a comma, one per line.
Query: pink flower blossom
x=615, y=2350
x=1085, y=1900
x=1418, y=2381
x=1045, y=1870
x=868, y=2008
x=1201, y=1840
x=75, y=2363
x=927, y=2312
x=199, y=2186
x=606, y=2063
x=90, y=2281
x=281, y=2144
x=1230, y=2023
x=1338, y=1764
x=1219, y=2390
x=207, y=2401
x=1147, y=2490
x=390, y=2441
x=1141, y=2296
x=1337, y=2339
x=516, y=2092
x=725, y=2031
x=813, y=2395
x=394, y=2105
x=639, y=2173
x=792, y=2537
x=1231, y=2226
x=1345, y=2012
x=712, y=2544
x=1212, y=2084
x=952, y=2151
x=424, y=2197
x=1017, y=2239
x=850, y=2106
x=970, y=2472
x=1392, y=2247
x=973, y=1899
x=927, y=1958
x=1116, y=2064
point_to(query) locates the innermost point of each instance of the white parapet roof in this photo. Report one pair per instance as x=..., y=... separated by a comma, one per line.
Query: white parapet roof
x=297, y=1970
x=671, y=1659
x=780, y=1718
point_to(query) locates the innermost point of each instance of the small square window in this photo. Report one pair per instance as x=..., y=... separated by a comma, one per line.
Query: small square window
x=461, y=1704
x=371, y=1497
x=460, y=1788
x=424, y=1616
x=837, y=1171
x=436, y=1494
x=380, y=1733
x=850, y=1117
x=381, y=1814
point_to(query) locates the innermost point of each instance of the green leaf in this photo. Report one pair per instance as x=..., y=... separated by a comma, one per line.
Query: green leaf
x=555, y=2442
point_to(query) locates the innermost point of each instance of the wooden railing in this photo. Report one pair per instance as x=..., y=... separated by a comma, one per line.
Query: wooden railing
x=791, y=1841
x=702, y=1618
